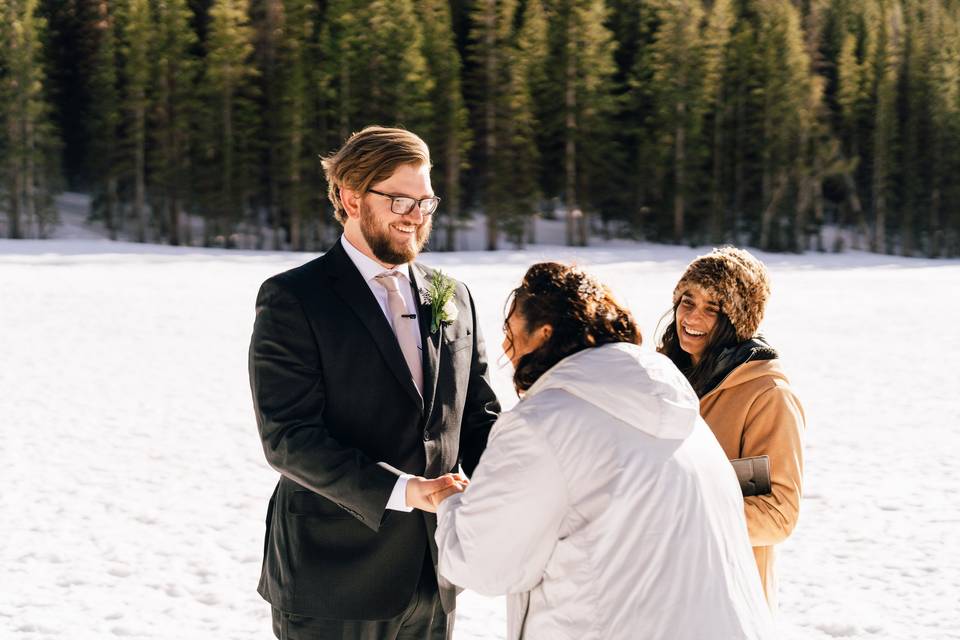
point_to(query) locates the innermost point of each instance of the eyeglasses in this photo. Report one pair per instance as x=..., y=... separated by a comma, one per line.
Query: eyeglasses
x=402, y=205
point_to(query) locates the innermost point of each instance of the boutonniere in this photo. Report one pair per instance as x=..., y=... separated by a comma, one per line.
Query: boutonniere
x=443, y=310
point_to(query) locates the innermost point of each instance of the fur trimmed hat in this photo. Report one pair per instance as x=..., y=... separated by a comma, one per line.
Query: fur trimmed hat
x=737, y=279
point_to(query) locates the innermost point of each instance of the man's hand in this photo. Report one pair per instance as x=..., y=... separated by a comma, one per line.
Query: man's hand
x=427, y=495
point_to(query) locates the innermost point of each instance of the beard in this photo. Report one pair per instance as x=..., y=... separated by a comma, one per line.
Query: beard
x=386, y=248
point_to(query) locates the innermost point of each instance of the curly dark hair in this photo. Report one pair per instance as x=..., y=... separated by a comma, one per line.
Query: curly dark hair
x=724, y=335
x=581, y=311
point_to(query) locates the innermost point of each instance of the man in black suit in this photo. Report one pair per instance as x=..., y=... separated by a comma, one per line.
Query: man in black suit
x=366, y=404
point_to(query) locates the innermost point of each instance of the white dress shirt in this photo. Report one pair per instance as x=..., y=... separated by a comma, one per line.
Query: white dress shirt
x=370, y=269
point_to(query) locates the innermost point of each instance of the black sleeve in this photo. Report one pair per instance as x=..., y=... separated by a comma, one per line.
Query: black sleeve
x=288, y=398
x=481, y=408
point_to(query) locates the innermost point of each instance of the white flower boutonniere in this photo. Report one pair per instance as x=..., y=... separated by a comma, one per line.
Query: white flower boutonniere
x=443, y=310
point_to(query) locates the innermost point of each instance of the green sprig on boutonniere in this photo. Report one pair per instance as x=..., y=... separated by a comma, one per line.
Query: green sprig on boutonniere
x=443, y=310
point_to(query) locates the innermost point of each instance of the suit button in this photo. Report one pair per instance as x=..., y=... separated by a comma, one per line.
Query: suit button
x=426, y=435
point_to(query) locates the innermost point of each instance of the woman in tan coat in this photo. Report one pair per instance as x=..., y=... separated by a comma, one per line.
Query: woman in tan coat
x=745, y=396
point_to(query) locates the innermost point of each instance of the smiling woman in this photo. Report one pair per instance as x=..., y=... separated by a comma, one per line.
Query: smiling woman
x=696, y=320
x=745, y=397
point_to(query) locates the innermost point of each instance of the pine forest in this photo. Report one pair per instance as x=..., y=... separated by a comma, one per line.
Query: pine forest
x=787, y=125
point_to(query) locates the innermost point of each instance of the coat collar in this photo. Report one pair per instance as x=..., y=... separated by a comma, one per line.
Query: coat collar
x=732, y=358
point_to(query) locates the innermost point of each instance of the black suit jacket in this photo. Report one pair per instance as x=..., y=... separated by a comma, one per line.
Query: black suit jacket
x=333, y=397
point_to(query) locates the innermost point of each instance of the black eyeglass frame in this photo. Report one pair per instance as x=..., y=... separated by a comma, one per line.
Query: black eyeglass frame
x=416, y=203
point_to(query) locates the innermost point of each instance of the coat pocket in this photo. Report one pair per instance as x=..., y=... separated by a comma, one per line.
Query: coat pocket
x=460, y=343
x=309, y=504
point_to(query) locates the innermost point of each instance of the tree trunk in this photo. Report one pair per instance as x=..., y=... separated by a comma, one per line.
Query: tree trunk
x=716, y=197
x=226, y=201
x=739, y=170
x=296, y=212
x=856, y=208
x=274, y=25
x=344, y=119
x=490, y=122
x=173, y=217
x=16, y=203
x=679, y=162
x=766, y=180
x=112, y=207
x=818, y=212
x=878, y=240
x=29, y=170
x=805, y=179
x=139, y=170
x=770, y=211
x=570, y=144
x=934, y=244
x=452, y=183
x=804, y=201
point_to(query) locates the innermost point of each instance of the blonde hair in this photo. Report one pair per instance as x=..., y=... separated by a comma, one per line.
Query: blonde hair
x=368, y=157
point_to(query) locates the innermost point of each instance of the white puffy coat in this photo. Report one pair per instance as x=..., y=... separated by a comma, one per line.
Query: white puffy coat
x=605, y=507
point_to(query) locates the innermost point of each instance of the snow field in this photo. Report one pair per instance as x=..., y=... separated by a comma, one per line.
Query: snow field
x=134, y=485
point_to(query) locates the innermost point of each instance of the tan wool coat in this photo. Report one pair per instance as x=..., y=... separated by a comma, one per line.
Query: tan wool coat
x=753, y=412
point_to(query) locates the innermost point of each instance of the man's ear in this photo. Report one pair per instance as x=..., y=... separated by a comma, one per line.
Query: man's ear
x=351, y=202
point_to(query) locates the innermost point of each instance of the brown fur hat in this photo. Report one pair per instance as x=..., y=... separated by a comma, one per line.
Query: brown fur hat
x=737, y=279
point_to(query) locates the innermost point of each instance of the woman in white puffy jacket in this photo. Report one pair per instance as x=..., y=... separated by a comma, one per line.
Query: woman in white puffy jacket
x=603, y=504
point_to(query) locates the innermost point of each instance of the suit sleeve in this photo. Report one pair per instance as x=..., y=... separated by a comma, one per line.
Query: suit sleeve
x=774, y=427
x=288, y=397
x=481, y=408
x=498, y=535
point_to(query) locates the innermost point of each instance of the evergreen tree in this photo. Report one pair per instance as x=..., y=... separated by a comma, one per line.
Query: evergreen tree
x=104, y=120
x=137, y=36
x=679, y=95
x=716, y=41
x=913, y=100
x=887, y=20
x=321, y=131
x=294, y=115
x=448, y=134
x=174, y=104
x=943, y=41
x=528, y=76
x=492, y=23
x=382, y=76
x=294, y=85
x=228, y=154
x=852, y=98
x=346, y=30
x=27, y=140
x=788, y=96
x=585, y=56
x=9, y=204
x=639, y=117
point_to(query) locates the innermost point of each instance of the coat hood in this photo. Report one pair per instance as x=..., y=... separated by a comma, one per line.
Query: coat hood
x=641, y=388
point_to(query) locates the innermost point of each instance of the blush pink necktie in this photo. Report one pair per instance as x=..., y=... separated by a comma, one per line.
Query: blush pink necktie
x=405, y=327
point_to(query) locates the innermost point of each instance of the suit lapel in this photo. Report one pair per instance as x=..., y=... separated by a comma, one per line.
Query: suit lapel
x=349, y=285
x=419, y=278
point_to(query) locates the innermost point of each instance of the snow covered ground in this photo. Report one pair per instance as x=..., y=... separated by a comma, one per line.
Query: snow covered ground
x=133, y=487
